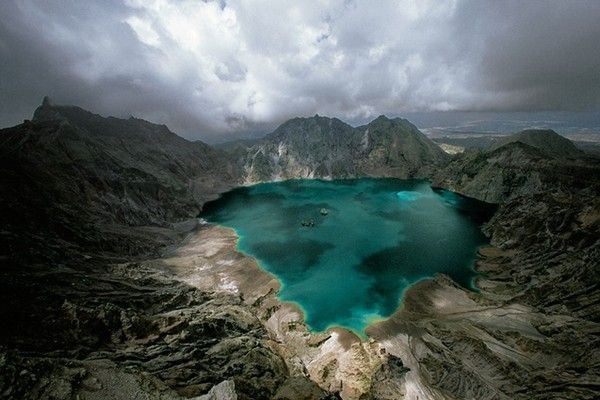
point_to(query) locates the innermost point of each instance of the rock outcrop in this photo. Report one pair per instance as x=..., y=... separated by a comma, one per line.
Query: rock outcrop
x=124, y=327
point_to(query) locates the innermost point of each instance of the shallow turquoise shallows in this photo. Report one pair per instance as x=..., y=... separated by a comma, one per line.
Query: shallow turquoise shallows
x=345, y=250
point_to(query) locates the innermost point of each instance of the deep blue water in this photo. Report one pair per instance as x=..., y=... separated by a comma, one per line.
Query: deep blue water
x=379, y=236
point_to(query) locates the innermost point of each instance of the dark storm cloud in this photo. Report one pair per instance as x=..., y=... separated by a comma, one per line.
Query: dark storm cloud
x=535, y=55
x=215, y=69
x=84, y=53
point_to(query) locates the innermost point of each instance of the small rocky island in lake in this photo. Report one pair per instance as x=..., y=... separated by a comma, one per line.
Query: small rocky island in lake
x=310, y=223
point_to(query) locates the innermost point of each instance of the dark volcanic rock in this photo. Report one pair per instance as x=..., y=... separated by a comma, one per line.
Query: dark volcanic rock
x=321, y=147
x=515, y=169
x=141, y=320
x=82, y=177
x=530, y=333
x=85, y=201
x=396, y=148
x=545, y=140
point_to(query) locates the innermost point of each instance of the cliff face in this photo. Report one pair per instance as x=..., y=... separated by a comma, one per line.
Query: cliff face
x=549, y=214
x=321, y=147
x=396, y=148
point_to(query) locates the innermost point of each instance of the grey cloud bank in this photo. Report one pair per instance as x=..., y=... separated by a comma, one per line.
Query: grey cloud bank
x=215, y=70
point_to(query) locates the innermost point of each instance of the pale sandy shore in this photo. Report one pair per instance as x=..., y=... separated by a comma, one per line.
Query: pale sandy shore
x=337, y=360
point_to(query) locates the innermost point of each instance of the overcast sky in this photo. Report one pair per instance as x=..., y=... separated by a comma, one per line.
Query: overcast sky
x=219, y=69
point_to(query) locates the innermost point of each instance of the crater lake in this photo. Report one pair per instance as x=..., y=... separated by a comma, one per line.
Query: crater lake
x=345, y=250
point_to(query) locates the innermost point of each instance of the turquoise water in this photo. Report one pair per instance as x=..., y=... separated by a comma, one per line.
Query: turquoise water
x=350, y=266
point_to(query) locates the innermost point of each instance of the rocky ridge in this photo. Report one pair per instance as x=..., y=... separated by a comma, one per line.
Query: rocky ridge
x=517, y=169
x=94, y=180
x=129, y=309
x=321, y=147
x=545, y=140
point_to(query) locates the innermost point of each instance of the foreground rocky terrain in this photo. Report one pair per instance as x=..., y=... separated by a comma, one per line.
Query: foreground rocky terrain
x=532, y=330
x=111, y=288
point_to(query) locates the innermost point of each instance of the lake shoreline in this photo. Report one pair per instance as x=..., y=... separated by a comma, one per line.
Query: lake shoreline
x=381, y=235
x=336, y=359
x=208, y=259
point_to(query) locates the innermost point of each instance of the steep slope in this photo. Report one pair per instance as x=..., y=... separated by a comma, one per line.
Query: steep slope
x=545, y=140
x=321, y=147
x=303, y=148
x=395, y=147
x=516, y=169
x=68, y=169
x=83, y=201
x=530, y=332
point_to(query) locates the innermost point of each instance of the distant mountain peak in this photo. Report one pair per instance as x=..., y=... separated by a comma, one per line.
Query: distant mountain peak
x=521, y=147
x=381, y=118
x=48, y=111
x=536, y=131
x=545, y=140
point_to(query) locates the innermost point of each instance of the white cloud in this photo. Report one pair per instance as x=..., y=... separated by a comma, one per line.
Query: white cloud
x=144, y=31
x=267, y=61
